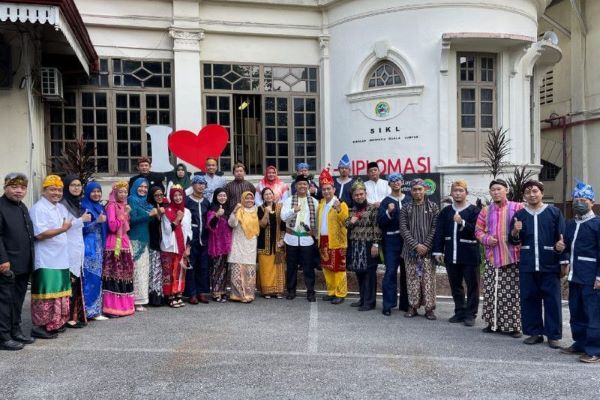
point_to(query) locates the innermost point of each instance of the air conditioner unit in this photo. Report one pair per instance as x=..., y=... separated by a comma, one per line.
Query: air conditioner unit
x=52, y=85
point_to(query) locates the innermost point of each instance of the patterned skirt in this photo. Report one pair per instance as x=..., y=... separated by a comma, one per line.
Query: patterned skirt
x=77, y=304
x=420, y=282
x=271, y=274
x=243, y=282
x=173, y=274
x=92, y=277
x=501, y=298
x=333, y=260
x=50, y=292
x=141, y=272
x=155, y=279
x=117, y=283
x=218, y=276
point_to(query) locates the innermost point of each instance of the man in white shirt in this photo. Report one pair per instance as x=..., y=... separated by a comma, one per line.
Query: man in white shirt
x=300, y=215
x=50, y=282
x=377, y=189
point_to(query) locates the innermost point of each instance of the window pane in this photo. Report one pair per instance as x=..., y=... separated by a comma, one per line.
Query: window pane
x=270, y=134
x=467, y=122
x=468, y=94
x=487, y=94
x=87, y=99
x=486, y=108
x=467, y=108
x=486, y=121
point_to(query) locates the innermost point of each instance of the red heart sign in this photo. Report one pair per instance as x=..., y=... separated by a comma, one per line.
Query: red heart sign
x=195, y=149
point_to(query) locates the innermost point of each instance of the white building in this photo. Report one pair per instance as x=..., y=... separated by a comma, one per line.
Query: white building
x=570, y=99
x=414, y=85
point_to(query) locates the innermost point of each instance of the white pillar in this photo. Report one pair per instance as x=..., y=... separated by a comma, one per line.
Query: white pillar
x=325, y=100
x=188, y=96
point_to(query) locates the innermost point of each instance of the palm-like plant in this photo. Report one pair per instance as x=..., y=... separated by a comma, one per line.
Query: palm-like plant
x=497, y=149
x=76, y=159
x=516, y=181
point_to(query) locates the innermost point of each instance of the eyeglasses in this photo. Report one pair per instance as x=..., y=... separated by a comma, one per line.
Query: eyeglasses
x=159, y=195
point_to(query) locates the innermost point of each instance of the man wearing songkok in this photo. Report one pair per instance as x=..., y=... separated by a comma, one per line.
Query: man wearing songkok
x=333, y=240
x=537, y=228
x=501, y=295
x=299, y=212
x=197, y=280
x=582, y=246
x=377, y=188
x=388, y=219
x=417, y=227
x=302, y=169
x=363, y=247
x=144, y=166
x=16, y=260
x=343, y=183
x=214, y=178
x=237, y=186
x=455, y=245
x=50, y=283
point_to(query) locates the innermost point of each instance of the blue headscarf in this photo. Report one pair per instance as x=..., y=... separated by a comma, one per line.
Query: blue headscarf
x=135, y=200
x=95, y=208
x=344, y=162
x=395, y=177
x=199, y=179
x=302, y=165
x=583, y=191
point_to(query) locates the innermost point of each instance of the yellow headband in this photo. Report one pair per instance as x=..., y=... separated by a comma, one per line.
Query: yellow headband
x=53, y=180
x=121, y=185
x=460, y=183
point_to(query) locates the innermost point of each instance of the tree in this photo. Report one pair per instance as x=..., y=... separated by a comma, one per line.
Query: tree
x=516, y=181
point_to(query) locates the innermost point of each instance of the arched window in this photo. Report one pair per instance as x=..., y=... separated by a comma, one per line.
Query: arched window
x=385, y=74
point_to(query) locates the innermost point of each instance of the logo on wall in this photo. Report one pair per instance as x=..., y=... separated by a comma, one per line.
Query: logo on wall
x=431, y=186
x=382, y=109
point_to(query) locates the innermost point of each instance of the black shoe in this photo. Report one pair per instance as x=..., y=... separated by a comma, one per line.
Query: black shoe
x=534, y=339
x=76, y=325
x=430, y=315
x=328, y=298
x=311, y=298
x=469, y=321
x=291, y=295
x=41, y=333
x=518, y=335
x=356, y=304
x=455, y=319
x=23, y=339
x=11, y=345
x=337, y=300
x=366, y=308
x=386, y=312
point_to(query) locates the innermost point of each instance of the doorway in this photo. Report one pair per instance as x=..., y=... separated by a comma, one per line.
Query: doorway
x=247, y=132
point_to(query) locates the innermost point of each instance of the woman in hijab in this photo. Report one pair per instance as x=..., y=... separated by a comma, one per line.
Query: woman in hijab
x=155, y=288
x=219, y=243
x=94, y=238
x=271, y=248
x=271, y=180
x=175, y=246
x=179, y=176
x=141, y=213
x=242, y=258
x=117, y=271
x=72, y=190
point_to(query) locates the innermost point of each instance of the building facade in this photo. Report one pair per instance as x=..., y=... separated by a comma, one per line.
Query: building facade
x=413, y=85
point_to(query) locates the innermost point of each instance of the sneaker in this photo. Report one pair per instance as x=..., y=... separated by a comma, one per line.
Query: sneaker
x=140, y=308
x=101, y=318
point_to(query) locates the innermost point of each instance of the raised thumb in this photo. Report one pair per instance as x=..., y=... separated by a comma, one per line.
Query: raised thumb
x=561, y=237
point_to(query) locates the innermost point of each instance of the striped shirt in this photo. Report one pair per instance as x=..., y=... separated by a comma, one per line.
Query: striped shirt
x=234, y=190
x=417, y=226
x=495, y=221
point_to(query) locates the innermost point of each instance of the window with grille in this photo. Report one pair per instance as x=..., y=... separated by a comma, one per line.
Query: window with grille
x=476, y=103
x=547, y=88
x=111, y=112
x=549, y=171
x=385, y=73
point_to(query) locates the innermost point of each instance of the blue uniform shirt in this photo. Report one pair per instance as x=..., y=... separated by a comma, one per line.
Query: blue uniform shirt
x=582, y=239
x=457, y=243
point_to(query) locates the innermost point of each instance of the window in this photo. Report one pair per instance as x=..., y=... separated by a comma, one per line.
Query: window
x=549, y=171
x=547, y=88
x=274, y=124
x=111, y=111
x=385, y=73
x=476, y=103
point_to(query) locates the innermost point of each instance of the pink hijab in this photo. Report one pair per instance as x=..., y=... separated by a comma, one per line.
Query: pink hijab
x=276, y=185
x=120, y=206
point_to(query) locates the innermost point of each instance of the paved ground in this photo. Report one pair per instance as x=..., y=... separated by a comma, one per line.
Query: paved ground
x=280, y=349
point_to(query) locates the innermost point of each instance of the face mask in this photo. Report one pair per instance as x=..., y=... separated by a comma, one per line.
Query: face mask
x=580, y=208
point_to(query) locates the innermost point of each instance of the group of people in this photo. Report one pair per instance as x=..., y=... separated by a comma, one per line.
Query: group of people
x=203, y=237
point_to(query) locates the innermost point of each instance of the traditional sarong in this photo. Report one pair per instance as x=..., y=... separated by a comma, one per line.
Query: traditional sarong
x=117, y=283
x=141, y=272
x=50, y=292
x=333, y=262
x=271, y=274
x=155, y=279
x=243, y=281
x=76, y=303
x=501, y=298
x=219, y=275
x=92, y=278
x=173, y=274
x=420, y=280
